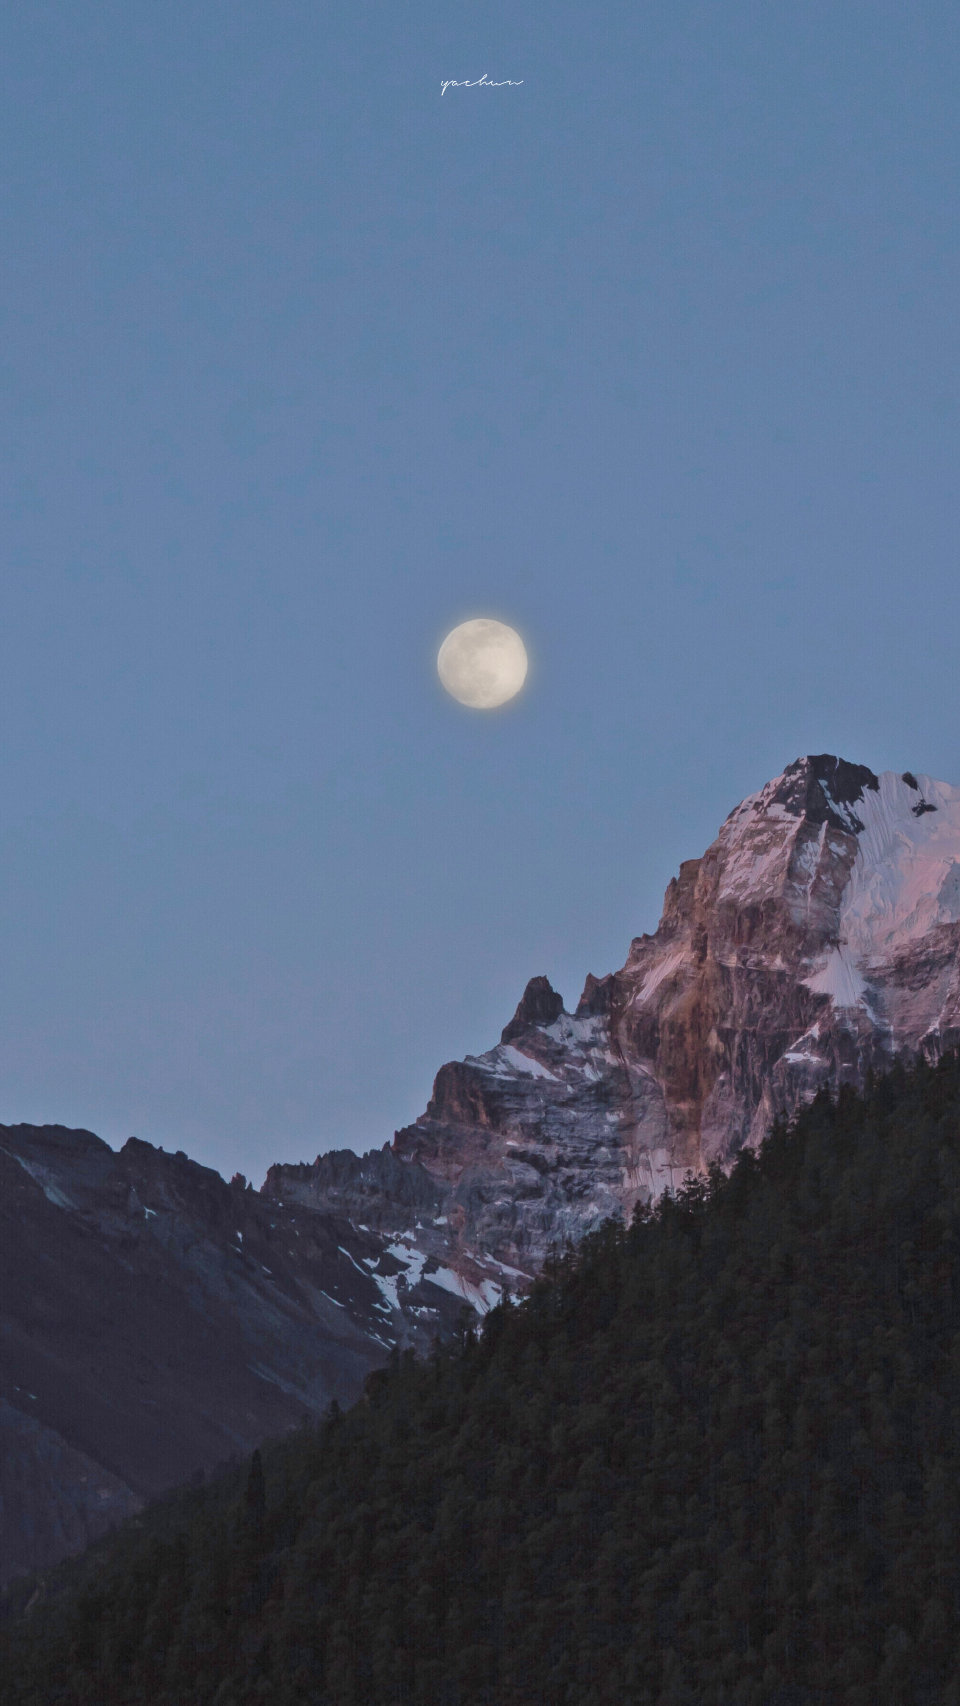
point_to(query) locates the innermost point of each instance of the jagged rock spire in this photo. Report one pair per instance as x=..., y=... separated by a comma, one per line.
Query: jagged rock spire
x=539, y=1005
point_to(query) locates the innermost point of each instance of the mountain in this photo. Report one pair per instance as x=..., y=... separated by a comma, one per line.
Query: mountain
x=714, y=1457
x=155, y=1321
x=817, y=937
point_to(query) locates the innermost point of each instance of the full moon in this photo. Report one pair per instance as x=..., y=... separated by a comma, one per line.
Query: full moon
x=482, y=663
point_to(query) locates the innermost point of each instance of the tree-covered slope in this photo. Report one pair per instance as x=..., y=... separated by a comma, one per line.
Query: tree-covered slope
x=714, y=1458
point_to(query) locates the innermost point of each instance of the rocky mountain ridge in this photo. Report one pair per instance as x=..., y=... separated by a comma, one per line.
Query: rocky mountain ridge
x=817, y=937
x=155, y=1321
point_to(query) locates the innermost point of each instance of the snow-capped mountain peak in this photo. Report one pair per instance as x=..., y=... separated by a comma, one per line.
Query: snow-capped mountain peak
x=817, y=935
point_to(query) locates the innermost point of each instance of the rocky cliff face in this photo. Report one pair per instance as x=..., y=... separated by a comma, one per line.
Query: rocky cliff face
x=818, y=936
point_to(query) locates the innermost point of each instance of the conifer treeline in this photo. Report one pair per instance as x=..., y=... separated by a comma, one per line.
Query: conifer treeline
x=713, y=1460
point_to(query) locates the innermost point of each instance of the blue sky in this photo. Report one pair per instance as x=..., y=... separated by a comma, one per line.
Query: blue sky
x=654, y=356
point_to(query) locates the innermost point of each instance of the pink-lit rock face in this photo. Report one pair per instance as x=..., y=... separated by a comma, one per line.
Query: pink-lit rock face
x=816, y=937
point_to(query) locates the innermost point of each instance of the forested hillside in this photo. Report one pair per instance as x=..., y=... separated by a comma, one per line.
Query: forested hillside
x=714, y=1458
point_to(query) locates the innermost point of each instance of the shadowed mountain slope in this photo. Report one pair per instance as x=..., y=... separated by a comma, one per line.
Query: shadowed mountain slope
x=155, y=1321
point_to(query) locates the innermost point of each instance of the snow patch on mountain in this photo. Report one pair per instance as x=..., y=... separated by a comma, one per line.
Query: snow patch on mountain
x=414, y=1260
x=576, y=1032
x=53, y=1194
x=481, y=1296
x=505, y=1061
x=839, y=977
x=513, y=1057
x=387, y=1286
x=760, y=857
x=906, y=876
x=664, y=968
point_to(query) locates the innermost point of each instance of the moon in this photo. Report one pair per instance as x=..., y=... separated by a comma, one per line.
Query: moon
x=482, y=663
